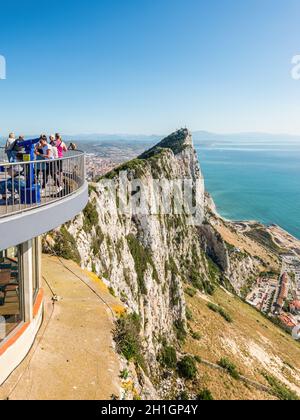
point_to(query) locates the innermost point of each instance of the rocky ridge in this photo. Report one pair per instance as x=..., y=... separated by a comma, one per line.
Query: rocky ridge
x=151, y=258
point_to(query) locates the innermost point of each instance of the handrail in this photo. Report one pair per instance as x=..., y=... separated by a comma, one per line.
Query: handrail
x=29, y=185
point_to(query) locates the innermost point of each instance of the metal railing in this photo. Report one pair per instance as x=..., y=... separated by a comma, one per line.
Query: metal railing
x=28, y=185
x=3, y=156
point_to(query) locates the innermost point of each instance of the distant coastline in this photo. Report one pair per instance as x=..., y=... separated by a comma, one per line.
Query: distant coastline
x=251, y=176
x=255, y=183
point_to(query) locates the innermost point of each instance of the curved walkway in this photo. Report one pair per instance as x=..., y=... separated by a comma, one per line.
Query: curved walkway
x=73, y=357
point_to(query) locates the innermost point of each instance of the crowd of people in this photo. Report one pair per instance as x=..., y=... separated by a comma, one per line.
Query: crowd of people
x=54, y=149
x=48, y=155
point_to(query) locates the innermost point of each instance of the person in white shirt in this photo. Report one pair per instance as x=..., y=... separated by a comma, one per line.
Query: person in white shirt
x=53, y=145
x=9, y=147
x=46, y=153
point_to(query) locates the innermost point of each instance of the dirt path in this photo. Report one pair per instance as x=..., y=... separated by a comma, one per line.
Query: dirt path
x=73, y=357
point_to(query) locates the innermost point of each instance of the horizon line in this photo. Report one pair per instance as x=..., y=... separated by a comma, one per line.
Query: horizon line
x=121, y=134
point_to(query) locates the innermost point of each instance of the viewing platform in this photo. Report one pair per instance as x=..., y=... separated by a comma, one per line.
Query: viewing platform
x=25, y=214
x=36, y=196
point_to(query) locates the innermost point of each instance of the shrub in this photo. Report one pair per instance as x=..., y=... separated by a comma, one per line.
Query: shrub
x=180, y=330
x=142, y=258
x=281, y=391
x=196, y=336
x=220, y=311
x=183, y=396
x=91, y=217
x=213, y=270
x=92, y=189
x=199, y=282
x=124, y=374
x=190, y=292
x=209, y=288
x=97, y=241
x=174, y=290
x=187, y=368
x=289, y=365
x=196, y=279
x=168, y=357
x=189, y=314
x=66, y=247
x=229, y=367
x=205, y=395
x=127, y=338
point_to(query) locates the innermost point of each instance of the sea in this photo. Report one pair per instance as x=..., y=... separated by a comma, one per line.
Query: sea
x=254, y=181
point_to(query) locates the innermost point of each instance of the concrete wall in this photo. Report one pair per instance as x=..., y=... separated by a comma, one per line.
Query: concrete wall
x=19, y=348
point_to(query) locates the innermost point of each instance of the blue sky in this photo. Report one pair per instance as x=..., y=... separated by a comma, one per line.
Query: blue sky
x=149, y=66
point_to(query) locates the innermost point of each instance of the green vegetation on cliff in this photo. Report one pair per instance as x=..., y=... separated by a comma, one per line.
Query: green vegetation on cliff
x=90, y=216
x=229, y=367
x=136, y=165
x=168, y=357
x=142, y=260
x=175, y=142
x=127, y=336
x=281, y=391
x=264, y=238
x=65, y=246
x=187, y=367
x=217, y=309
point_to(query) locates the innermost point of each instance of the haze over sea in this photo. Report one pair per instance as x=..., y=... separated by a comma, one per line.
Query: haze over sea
x=254, y=180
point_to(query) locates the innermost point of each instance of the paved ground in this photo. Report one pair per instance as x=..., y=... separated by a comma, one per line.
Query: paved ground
x=73, y=357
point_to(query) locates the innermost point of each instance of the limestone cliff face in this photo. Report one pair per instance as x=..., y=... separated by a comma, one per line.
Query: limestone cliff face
x=238, y=266
x=148, y=257
x=151, y=233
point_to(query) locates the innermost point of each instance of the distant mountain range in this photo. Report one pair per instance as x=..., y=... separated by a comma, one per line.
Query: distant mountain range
x=200, y=137
x=204, y=136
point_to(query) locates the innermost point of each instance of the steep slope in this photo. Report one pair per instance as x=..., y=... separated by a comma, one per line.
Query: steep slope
x=157, y=254
x=233, y=247
x=146, y=257
x=257, y=348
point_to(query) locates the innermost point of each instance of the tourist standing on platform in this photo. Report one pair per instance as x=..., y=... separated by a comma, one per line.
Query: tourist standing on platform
x=9, y=147
x=47, y=155
x=61, y=149
x=53, y=145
